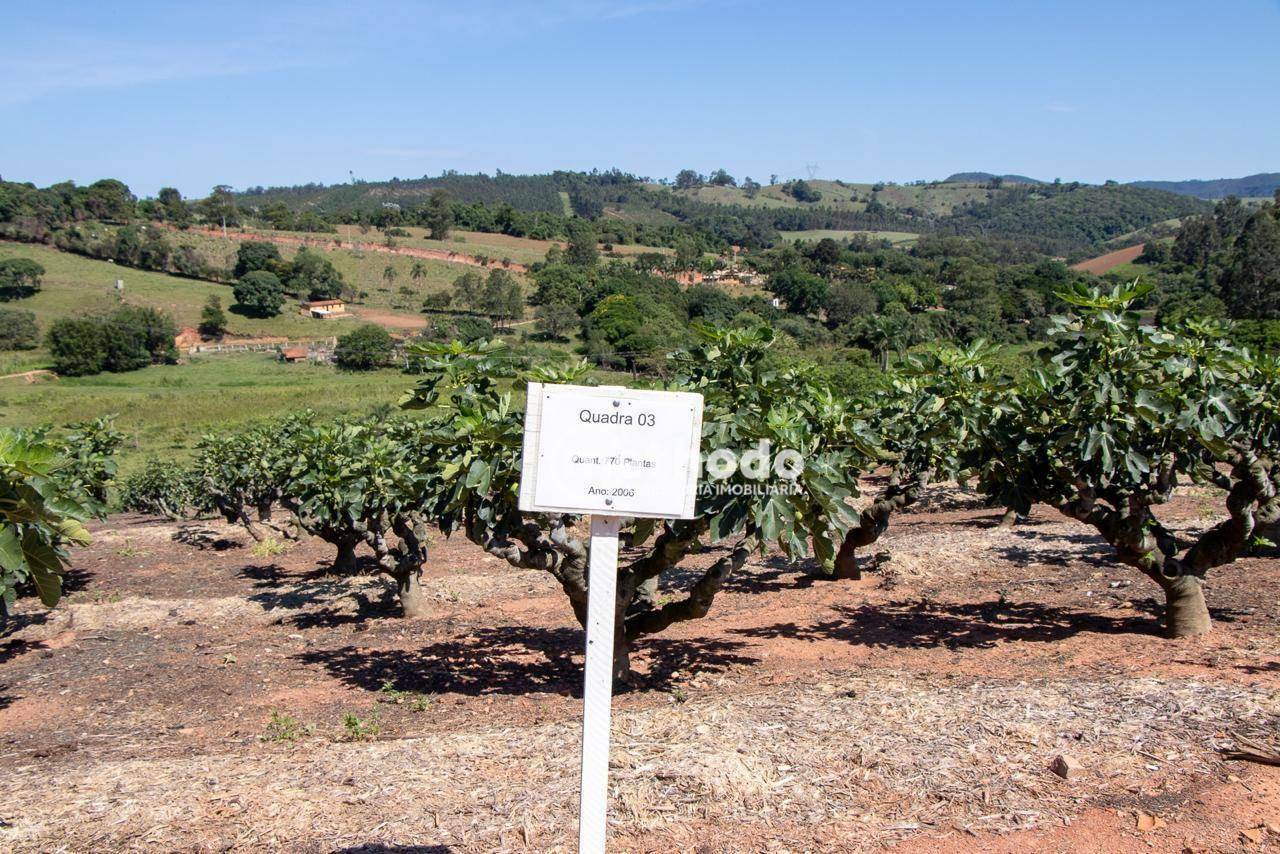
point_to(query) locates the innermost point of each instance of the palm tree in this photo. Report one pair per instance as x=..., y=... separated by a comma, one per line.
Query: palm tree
x=389, y=274
x=417, y=271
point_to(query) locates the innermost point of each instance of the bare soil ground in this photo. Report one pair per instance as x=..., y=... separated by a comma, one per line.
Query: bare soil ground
x=390, y=319
x=918, y=709
x=1111, y=260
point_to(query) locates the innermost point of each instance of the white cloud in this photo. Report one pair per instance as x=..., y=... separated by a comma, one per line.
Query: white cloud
x=192, y=42
x=72, y=62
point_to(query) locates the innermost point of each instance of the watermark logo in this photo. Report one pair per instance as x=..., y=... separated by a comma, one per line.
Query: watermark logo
x=765, y=472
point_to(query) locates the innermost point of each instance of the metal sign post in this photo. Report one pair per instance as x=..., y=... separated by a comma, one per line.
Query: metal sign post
x=597, y=685
x=609, y=453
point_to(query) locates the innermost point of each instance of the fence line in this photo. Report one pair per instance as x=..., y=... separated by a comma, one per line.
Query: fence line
x=262, y=346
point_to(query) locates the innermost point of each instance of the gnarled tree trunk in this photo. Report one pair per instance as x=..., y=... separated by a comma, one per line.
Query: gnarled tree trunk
x=646, y=594
x=846, y=564
x=621, y=657
x=345, y=562
x=873, y=522
x=1185, y=612
x=409, y=589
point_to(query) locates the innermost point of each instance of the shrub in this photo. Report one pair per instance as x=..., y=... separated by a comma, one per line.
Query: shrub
x=478, y=440
x=142, y=336
x=213, y=320
x=129, y=338
x=1119, y=414
x=555, y=319
x=18, y=330
x=438, y=301
x=19, y=277
x=472, y=329
x=256, y=255
x=89, y=465
x=78, y=346
x=364, y=348
x=368, y=482
x=259, y=293
x=164, y=489
x=314, y=276
x=40, y=516
x=244, y=473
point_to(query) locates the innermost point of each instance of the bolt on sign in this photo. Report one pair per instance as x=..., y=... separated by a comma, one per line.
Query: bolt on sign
x=607, y=452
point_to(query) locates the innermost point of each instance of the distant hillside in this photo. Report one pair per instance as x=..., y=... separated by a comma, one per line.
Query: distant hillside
x=1264, y=185
x=1059, y=218
x=986, y=177
x=1066, y=217
x=522, y=192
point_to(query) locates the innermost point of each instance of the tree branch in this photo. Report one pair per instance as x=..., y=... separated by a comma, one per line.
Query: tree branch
x=695, y=605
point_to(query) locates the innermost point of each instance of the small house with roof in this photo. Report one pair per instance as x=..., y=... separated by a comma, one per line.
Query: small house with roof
x=324, y=309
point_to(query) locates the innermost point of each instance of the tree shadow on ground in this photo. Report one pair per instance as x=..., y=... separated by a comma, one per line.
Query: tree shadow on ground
x=917, y=625
x=16, y=647
x=1259, y=669
x=74, y=579
x=775, y=575
x=204, y=539
x=513, y=660
x=1083, y=548
x=992, y=520
x=316, y=599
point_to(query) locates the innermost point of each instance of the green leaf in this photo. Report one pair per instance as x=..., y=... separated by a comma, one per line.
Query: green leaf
x=641, y=531
x=11, y=557
x=45, y=566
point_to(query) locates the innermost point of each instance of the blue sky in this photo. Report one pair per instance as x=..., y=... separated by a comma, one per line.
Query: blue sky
x=192, y=95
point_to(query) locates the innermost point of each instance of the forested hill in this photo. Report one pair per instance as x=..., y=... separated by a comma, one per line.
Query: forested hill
x=1063, y=216
x=522, y=192
x=1059, y=218
x=986, y=177
x=1262, y=185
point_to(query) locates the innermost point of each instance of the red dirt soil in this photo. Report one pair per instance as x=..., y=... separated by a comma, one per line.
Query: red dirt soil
x=390, y=319
x=918, y=709
x=1111, y=260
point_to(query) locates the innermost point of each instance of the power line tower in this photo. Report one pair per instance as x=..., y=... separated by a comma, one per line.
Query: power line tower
x=812, y=169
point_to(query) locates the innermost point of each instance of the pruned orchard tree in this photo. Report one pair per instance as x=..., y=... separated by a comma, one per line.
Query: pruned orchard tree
x=42, y=512
x=926, y=425
x=90, y=451
x=165, y=489
x=245, y=474
x=748, y=407
x=368, y=482
x=1118, y=416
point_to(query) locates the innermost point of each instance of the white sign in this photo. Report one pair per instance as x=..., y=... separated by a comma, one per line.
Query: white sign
x=609, y=452
x=615, y=451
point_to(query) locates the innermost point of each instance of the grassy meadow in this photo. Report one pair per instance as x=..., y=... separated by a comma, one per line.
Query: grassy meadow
x=365, y=270
x=75, y=285
x=164, y=409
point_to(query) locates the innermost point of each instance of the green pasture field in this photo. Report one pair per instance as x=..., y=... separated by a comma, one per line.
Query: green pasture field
x=74, y=285
x=365, y=270
x=164, y=409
